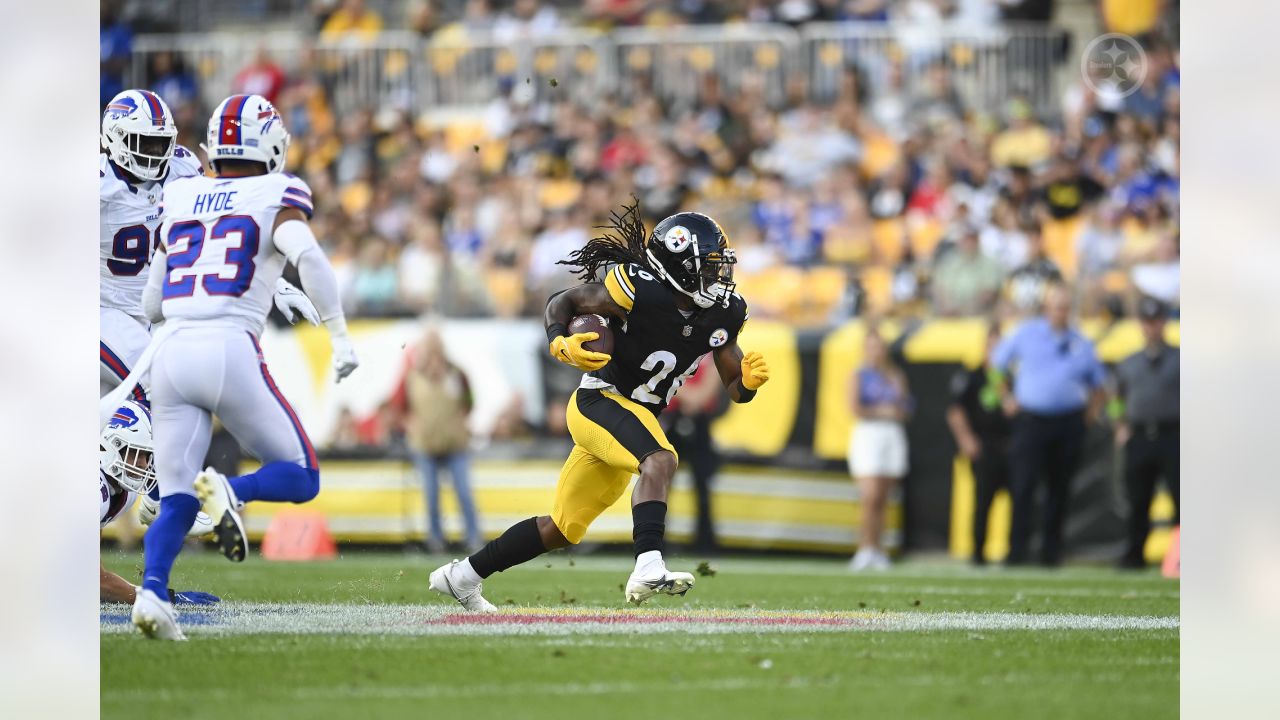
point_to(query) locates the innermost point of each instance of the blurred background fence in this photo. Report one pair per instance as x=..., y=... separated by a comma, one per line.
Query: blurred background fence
x=403, y=70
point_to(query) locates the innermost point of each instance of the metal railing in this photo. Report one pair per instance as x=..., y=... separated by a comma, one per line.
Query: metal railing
x=400, y=69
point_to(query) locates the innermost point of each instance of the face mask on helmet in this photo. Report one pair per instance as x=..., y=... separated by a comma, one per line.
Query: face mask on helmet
x=151, y=154
x=708, y=280
x=129, y=465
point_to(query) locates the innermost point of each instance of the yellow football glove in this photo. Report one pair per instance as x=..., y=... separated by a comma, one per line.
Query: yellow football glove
x=755, y=371
x=569, y=351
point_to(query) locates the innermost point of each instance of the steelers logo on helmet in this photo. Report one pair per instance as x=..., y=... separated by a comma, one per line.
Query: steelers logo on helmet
x=677, y=239
x=719, y=337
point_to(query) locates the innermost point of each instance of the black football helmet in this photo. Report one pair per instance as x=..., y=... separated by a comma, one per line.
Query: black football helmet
x=691, y=252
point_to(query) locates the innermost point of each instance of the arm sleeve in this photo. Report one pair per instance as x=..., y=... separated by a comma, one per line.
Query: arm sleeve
x=296, y=242
x=153, y=293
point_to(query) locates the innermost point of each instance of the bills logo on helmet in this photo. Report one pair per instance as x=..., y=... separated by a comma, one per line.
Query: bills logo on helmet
x=270, y=115
x=123, y=418
x=719, y=337
x=123, y=107
x=677, y=239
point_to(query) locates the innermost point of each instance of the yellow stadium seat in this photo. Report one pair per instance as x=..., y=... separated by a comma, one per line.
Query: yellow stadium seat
x=877, y=283
x=1116, y=281
x=506, y=290
x=559, y=194
x=775, y=292
x=887, y=238
x=355, y=197
x=823, y=288
x=880, y=152
x=925, y=234
x=460, y=137
x=1060, y=242
x=851, y=245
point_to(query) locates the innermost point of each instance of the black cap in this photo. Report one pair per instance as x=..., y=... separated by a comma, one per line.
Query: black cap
x=1150, y=308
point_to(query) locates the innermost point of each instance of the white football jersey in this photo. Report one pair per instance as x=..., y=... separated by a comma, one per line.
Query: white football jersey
x=128, y=221
x=115, y=500
x=217, y=232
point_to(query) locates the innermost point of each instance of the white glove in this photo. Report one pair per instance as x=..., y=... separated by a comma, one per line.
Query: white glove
x=344, y=355
x=294, y=304
x=148, y=509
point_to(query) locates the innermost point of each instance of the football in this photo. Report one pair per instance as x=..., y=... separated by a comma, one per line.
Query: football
x=596, y=324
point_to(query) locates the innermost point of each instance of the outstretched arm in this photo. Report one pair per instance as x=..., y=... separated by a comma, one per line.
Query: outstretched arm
x=114, y=589
x=742, y=375
x=294, y=239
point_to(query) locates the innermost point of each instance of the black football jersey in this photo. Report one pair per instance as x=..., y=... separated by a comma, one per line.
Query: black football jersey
x=658, y=348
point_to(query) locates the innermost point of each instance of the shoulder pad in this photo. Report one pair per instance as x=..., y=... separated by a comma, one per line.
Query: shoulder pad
x=184, y=164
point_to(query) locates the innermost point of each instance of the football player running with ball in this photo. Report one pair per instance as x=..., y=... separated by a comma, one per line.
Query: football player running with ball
x=670, y=300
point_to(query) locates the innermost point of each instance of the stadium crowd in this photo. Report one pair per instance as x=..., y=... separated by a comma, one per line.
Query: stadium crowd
x=881, y=200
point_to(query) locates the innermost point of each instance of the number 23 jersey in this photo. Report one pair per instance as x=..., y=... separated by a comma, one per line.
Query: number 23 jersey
x=217, y=233
x=658, y=347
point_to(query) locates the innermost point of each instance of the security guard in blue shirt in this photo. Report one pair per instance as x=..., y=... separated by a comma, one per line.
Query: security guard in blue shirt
x=1058, y=378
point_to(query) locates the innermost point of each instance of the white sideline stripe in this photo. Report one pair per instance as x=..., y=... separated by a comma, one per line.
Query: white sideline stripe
x=321, y=619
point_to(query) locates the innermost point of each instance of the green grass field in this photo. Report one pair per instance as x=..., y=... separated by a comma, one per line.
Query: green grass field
x=362, y=637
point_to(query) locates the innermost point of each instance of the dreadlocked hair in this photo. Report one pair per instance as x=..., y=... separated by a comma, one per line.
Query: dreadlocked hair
x=622, y=242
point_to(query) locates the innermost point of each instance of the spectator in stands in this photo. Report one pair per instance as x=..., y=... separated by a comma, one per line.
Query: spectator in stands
x=374, y=285
x=526, y=20
x=688, y=425
x=345, y=437
x=438, y=404
x=877, y=445
x=351, y=19
x=967, y=281
x=1056, y=386
x=1003, y=239
x=1146, y=414
x=1098, y=253
x=171, y=80
x=262, y=76
x=115, y=50
x=1025, y=142
x=1160, y=278
x=1069, y=189
x=1028, y=284
x=563, y=235
x=981, y=431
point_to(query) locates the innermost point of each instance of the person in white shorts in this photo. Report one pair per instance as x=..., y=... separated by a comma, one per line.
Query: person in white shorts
x=224, y=241
x=877, y=445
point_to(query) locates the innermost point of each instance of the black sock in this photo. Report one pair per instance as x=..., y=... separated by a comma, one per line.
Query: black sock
x=519, y=544
x=649, y=524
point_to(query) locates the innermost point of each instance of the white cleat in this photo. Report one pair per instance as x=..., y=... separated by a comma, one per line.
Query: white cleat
x=657, y=579
x=219, y=501
x=148, y=509
x=445, y=581
x=156, y=618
